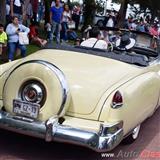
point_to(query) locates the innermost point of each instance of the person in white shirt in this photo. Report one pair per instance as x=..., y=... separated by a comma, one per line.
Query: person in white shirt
x=95, y=40
x=110, y=20
x=13, y=31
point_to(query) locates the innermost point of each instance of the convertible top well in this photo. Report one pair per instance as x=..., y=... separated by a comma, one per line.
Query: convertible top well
x=124, y=57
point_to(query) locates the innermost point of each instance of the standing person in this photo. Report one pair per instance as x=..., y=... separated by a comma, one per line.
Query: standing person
x=8, y=12
x=65, y=20
x=17, y=9
x=41, y=10
x=35, y=9
x=76, y=16
x=110, y=20
x=55, y=19
x=29, y=13
x=13, y=29
x=3, y=39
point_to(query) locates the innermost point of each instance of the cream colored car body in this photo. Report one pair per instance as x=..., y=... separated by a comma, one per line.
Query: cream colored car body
x=92, y=81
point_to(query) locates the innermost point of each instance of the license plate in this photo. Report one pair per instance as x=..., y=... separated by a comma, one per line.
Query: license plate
x=26, y=109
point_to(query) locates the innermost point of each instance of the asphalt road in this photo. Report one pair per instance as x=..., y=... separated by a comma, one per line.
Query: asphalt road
x=146, y=147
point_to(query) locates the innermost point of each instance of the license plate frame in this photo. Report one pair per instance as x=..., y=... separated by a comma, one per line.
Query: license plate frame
x=26, y=109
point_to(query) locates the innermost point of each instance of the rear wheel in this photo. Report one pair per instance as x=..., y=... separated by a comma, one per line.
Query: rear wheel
x=133, y=136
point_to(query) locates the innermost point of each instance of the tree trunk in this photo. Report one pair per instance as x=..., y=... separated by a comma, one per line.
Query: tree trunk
x=89, y=12
x=122, y=13
x=3, y=11
x=47, y=4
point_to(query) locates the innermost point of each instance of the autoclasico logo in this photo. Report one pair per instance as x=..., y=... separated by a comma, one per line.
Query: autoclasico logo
x=133, y=154
x=150, y=154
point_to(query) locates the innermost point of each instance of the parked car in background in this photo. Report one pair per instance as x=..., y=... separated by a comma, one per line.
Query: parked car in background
x=99, y=20
x=79, y=95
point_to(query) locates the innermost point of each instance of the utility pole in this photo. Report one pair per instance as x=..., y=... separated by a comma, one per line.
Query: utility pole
x=3, y=11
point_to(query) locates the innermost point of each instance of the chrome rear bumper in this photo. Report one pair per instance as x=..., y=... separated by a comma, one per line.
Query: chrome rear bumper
x=106, y=139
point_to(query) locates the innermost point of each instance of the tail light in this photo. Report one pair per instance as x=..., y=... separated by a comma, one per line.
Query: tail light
x=117, y=100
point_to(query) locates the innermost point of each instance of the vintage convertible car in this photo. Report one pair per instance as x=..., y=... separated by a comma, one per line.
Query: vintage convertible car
x=80, y=95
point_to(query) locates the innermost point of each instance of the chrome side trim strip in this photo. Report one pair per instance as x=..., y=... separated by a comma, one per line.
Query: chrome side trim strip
x=59, y=74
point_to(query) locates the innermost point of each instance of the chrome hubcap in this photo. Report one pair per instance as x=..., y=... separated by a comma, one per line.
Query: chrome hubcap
x=33, y=92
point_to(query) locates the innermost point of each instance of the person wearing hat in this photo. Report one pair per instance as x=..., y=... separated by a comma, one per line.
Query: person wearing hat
x=125, y=42
x=95, y=40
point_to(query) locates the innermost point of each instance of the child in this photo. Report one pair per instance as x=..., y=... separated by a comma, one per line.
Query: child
x=3, y=39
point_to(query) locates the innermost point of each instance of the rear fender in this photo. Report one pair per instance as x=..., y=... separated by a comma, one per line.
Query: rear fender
x=140, y=96
x=4, y=68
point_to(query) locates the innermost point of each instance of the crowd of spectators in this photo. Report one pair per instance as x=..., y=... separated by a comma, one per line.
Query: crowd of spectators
x=24, y=16
x=143, y=25
x=60, y=18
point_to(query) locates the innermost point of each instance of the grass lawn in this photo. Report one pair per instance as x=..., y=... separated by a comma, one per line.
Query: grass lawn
x=32, y=48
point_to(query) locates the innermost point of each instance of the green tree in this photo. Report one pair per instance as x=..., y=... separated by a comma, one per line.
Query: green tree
x=2, y=11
